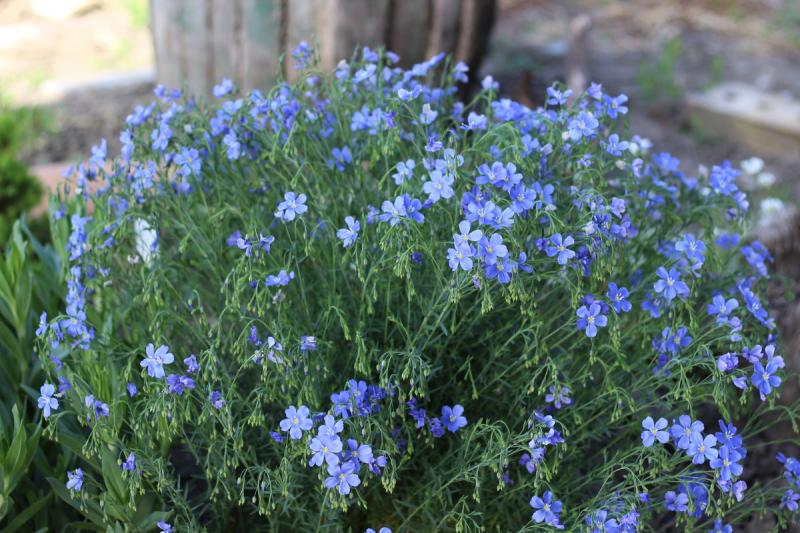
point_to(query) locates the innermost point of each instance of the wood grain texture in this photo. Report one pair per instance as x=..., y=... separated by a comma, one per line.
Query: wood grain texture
x=445, y=20
x=344, y=24
x=408, y=36
x=475, y=28
x=301, y=26
x=200, y=42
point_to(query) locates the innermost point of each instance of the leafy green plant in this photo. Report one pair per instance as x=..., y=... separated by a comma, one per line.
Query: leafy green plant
x=357, y=302
x=19, y=190
x=31, y=279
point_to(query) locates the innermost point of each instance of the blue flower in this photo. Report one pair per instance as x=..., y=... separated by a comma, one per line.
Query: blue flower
x=358, y=453
x=75, y=479
x=191, y=364
x=676, y=502
x=223, y=88
x=558, y=396
x=428, y=115
x=790, y=500
x=405, y=171
x=670, y=284
x=281, y=279
x=178, y=384
x=46, y=401
x=560, y=246
x=460, y=257
x=719, y=527
x=234, y=147
x=614, y=106
x=453, y=418
x=618, y=297
x=722, y=308
x=130, y=463
x=296, y=421
x=492, y=248
x=293, y=205
x=349, y=234
x=308, y=343
x=440, y=185
x=727, y=463
x=132, y=390
x=340, y=158
x=331, y=427
x=325, y=448
x=42, y=328
x=216, y=399
x=614, y=146
x=654, y=431
x=156, y=359
x=702, y=448
x=547, y=510
x=189, y=161
x=764, y=377
x=685, y=430
x=165, y=527
x=590, y=318
x=556, y=97
x=342, y=476
x=583, y=125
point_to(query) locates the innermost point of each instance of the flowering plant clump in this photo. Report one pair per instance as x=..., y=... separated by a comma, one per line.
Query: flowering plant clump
x=358, y=303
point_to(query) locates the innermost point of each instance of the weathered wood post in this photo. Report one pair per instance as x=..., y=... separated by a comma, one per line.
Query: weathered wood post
x=199, y=42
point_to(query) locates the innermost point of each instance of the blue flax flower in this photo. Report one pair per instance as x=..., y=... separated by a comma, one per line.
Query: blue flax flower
x=702, y=448
x=727, y=463
x=764, y=376
x=342, y=476
x=75, y=479
x=46, y=401
x=685, y=430
x=654, y=431
x=453, y=418
x=546, y=510
x=590, y=318
x=670, y=284
x=349, y=234
x=156, y=359
x=296, y=421
x=293, y=205
x=325, y=448
x=560, y=246
x=619, y=298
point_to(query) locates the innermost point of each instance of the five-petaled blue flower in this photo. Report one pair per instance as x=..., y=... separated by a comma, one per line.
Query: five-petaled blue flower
x=654, y=431
x=453, y=418
x=764, y=376
x=293, y=205
x=342, y=476
x=349, y=234
x=547, y=510
x=560, y=246
x=326, y=448
x=702, y=448
x=296, y=421
x=46, y=401
x=156, y=359
x=590, y=318
x=670, y=284
x=618, y=297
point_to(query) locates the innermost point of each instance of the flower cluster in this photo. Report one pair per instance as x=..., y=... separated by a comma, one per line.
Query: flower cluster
x=531, y=283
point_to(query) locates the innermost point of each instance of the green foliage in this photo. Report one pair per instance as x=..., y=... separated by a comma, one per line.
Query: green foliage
x=31, y=281
x=19, y=190
x=656, y=79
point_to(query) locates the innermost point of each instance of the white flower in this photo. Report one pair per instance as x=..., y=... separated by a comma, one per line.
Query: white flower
x=752, y=166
